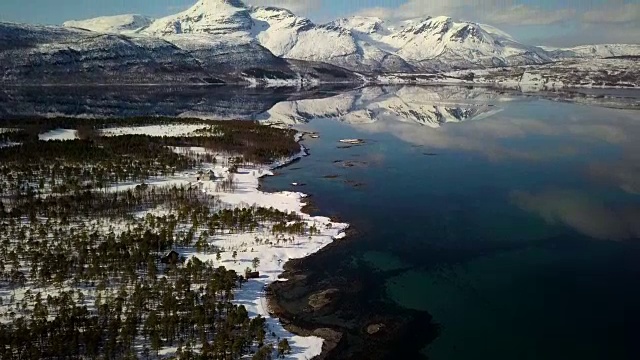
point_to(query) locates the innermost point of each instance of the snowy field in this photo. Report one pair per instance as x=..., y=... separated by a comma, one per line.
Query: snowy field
x=155, y=130
x=152, y=130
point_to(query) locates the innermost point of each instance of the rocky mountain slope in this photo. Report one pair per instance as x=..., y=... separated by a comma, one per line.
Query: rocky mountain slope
x=595, y=51
x=55, y=55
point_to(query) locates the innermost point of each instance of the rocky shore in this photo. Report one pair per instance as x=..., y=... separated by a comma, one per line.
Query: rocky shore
x=309, y=304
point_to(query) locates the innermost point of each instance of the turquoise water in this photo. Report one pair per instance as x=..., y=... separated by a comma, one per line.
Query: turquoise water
x=518, y=232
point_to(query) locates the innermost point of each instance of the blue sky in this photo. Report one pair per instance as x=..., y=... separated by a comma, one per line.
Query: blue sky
x=546, y=22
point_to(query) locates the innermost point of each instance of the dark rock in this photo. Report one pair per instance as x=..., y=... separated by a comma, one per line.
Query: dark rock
x=374, y=328
x=321, y=299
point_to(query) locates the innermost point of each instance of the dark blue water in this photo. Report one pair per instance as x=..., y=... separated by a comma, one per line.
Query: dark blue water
x=517, y=231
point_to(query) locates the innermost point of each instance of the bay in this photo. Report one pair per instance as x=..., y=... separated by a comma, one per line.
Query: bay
x=518, y=232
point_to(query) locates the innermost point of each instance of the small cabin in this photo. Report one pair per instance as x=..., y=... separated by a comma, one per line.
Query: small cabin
x=252, y=275
x=171, y=258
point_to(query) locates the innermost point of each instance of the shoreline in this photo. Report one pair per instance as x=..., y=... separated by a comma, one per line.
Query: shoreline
x=309, y=304
x=254, y=294
x=240, y=249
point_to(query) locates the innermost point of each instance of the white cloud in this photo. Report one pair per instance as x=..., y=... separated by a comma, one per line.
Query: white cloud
x=593, y=34
x=582, y=213
x=296, y=6
x=525, y=15
x=492, y=11
x=379, y=12
x=626, y=13
x=414, y=9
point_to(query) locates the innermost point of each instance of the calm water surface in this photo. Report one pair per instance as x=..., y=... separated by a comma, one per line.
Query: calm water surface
x=516, y=230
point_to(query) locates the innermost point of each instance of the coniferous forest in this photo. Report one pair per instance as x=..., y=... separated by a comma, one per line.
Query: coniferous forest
x=90, y=254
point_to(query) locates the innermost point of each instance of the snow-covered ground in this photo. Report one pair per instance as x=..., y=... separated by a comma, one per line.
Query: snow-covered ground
x=59, y=134
x=152, y=130
x=155, y=130
x=271, y=251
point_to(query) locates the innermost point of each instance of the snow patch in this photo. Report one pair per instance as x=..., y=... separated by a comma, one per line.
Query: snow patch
x=58, y=134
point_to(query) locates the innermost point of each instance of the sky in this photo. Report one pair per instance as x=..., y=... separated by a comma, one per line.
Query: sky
x=536, y=22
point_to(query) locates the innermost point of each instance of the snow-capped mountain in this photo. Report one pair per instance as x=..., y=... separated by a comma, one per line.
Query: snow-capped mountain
x=294, y=37
x=439, y=43
x=279, y=30
x=46, y=54
x=214, y=17
x=365, y=44
x=443, y=43
x=357, y=43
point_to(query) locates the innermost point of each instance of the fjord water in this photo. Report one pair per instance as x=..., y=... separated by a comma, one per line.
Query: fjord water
x=512, y=220
x=518, y=231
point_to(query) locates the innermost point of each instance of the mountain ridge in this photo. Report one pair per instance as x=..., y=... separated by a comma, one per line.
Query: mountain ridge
x=37, y=54
x=357, y=43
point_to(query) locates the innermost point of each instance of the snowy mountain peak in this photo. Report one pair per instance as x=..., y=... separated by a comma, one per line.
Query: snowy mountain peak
x=218, y=17
x=363, y=24
x=428, y=24
x=471, y=31
x=112, y=24
x=283, y=18
x=217, y=5
x=427, y=27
